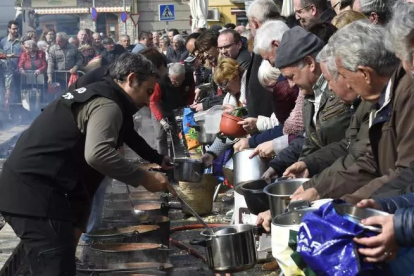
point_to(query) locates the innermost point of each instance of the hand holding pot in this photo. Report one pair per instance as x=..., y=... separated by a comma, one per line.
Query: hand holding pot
x=197, y=107
x=249, y=124
x=309, y=195
x=269, y=174
x=166, y=163
x=264, y=150
x=265, y=220
x=297, y=170
x=157, y=182
x=207, y=159
x=241, y=145
x=382, y=247
x=369, y=203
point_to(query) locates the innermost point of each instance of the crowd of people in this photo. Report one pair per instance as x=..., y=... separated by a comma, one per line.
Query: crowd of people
x=328, y=94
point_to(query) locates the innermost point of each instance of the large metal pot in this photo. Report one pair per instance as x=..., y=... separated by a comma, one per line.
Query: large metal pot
x=280, y=229
x=138, y=233
x=188, y=170
x=230, y=248
x=256, y=200
x=202, y=136
x=113, y=253
x=279, y=194
x=246, y=169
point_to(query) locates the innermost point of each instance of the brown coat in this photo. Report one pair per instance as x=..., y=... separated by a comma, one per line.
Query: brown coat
x=391, y=143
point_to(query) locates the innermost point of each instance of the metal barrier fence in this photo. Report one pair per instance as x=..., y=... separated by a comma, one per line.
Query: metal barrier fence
x=34, y=91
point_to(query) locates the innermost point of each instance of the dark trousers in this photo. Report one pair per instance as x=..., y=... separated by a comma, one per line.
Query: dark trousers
x=49, y=244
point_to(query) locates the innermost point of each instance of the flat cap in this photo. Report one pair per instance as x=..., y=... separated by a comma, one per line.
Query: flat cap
x=296, y=44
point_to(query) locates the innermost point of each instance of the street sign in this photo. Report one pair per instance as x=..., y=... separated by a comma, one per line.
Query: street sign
x=166, y=12
x=124, y=16
x=94, y=14
x=134, y=17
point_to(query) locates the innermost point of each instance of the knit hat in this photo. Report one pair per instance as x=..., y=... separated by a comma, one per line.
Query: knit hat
x=296, y=44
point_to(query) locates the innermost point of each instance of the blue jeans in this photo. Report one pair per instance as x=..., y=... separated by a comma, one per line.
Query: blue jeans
x=95, y=218
x=404, y=263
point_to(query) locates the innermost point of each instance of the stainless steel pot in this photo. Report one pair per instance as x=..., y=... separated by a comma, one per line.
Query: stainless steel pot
x=246, y=169
x=279, y=194
x=202, y=136
x=230, y=248
x=189, y=170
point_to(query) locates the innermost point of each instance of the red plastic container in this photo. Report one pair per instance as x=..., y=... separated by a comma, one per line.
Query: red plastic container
x=229, y=126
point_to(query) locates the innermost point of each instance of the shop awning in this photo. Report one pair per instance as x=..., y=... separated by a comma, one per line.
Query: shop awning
x=81, y=10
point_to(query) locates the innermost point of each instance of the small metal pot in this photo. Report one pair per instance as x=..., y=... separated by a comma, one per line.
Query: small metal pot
x=279, y=194
x=230, y=248
x=246, y=169
x=202, y=136
x=256, y=200
x=188, y=170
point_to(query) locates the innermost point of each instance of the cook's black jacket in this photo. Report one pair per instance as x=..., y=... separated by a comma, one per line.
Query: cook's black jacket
x=46, y=170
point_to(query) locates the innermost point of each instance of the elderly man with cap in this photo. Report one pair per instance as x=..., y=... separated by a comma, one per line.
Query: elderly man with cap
x=326, y=117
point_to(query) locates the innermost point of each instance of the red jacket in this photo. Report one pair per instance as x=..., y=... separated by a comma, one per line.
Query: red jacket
x=26, y=63
x=166, y=97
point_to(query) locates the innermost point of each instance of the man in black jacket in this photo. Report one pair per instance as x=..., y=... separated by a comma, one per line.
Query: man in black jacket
x=112, y=51
x=64, y=155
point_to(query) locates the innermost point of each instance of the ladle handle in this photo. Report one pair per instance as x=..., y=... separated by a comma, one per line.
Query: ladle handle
x=129, y=196
x=195, y=214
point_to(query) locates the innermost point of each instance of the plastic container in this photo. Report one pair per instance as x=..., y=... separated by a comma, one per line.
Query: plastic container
x=213, y=118
x=230, y=128
x=200, y=116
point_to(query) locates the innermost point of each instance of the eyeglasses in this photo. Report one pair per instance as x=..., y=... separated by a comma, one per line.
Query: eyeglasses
x=334, y=6
x=300, y=10
x=223, y=86
x=226, y=47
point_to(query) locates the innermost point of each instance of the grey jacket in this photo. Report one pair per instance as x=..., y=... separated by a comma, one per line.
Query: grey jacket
x=63, y=58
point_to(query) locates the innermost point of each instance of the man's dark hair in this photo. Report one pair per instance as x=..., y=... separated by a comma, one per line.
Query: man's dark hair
x=319, y=4
x=230, y=26
x=174, y=31
x=236, y=35
x=206, y=40
x=346, y=3
x=323, y=30
x=144, y=35
x=12, y=22
x=192, y=36
x=155, y=57
x=108, y=40
x=131, y=63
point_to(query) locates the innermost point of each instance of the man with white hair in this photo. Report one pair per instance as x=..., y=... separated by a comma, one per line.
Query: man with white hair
x=175, y=90
x=377, y=11
x=97, y=43
x=83, y=37
x=369, y=69
x=177, y=52
x=62, y=56
x=268, y=39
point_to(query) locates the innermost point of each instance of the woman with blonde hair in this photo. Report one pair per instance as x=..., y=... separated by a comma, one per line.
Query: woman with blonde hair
x=347, y=17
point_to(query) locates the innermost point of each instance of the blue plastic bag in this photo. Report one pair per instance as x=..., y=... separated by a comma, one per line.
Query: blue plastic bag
x=325, y=242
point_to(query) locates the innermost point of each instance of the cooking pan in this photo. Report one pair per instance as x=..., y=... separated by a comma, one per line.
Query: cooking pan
x=139, y=233
x=126, y=221
x=257, y=201
x=151, y=268
x=143, y=209
x=113, y=253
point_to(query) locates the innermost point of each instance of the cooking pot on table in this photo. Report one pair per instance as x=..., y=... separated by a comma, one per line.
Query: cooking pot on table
x=113, y=253
x=188, y=170
x=256, y=200
x=138, y=233
x=246, y=169
x=131, y=220
x=230, y=248
x=202, y=136
x=124, y=268
x=279, y=194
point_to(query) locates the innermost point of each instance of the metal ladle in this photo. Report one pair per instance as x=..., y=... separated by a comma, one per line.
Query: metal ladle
x=195, y=214
x=130, y=200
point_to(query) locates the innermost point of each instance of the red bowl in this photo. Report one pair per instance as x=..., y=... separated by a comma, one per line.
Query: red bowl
x=229, y=126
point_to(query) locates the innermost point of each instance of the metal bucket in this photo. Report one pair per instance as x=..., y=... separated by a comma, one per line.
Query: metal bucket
x=279, y=194
x=246, y=169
